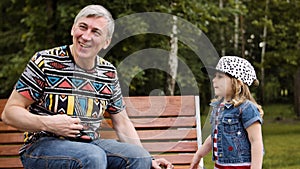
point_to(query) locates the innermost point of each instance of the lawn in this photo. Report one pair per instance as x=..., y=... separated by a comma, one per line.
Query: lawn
x=281, y=135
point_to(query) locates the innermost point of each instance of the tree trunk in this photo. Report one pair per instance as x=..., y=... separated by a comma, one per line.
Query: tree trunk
x=223, y=50
x=263, y=51
x=236, y=28
x=243, y=41
x=173, y=60
x=51, y=7
x=297, y=93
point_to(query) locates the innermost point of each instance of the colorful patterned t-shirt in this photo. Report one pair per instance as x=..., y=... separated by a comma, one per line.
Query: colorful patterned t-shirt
x=59, y=86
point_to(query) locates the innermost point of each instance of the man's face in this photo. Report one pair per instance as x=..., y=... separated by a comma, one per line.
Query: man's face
x=89, y=37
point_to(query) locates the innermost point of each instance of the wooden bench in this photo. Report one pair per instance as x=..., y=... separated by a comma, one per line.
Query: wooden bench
x=169, y=127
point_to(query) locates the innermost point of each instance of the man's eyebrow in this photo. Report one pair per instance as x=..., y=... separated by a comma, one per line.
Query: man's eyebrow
x=94, y=28
x=97, y=29
x=82, y=23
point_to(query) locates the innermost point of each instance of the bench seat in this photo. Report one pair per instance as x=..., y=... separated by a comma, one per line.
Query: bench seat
x=169, y=127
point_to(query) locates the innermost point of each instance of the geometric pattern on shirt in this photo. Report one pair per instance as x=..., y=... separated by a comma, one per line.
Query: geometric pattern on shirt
x=54, y=71
x=56, y=83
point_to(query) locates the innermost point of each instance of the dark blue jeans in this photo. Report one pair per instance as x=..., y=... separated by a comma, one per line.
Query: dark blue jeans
x=55, y=153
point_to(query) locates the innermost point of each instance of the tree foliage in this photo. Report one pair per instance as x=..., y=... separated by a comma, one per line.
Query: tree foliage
x=32, y=25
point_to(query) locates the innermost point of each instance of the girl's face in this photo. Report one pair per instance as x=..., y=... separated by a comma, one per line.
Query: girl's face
x=222, y=85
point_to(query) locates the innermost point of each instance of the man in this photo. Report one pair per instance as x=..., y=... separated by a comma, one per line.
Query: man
x=60, y=98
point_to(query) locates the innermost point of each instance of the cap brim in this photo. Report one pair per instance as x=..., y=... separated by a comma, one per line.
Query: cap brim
x=209, y=70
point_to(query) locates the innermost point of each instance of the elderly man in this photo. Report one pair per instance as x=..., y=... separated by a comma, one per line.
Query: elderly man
x=61, y=96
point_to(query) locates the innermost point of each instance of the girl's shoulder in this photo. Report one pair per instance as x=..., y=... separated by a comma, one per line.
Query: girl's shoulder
x=248, y=107
x=249, y=113
x=248, y=104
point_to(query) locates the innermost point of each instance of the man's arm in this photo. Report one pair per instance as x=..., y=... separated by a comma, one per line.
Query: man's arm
x=127, y=133
x=125, y=129
x=16, y=114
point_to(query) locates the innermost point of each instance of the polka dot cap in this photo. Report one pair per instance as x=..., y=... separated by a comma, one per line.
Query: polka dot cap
x=237, y=67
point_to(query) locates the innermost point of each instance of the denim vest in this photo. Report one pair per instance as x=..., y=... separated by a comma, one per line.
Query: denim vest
x=233, y=145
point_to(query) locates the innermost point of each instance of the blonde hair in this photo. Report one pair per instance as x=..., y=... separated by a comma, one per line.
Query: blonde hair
x=241, y=93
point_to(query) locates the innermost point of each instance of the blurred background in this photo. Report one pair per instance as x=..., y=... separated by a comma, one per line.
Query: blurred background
x=266, y=32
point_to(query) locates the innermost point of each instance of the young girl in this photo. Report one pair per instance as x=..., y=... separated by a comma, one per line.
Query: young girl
x=236, y=118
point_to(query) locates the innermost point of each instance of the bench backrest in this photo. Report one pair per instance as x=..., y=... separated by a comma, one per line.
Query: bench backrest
x=169, y=127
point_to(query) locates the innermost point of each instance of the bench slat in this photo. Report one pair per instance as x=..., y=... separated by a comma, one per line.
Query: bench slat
x=178, y=162
x=10, y=163
x=164, y=122
x=138, y=123
x=11, y=138
x=12, y=150
x=9, y=150
x=160, y=106
x=171, y=146
x=2, y=104
x=144, y=135
x=183, y=159
x=148, y=123
x=6, y=128
x=154, y=147
x=181, y=166
x=175, y=159
x=157, y=134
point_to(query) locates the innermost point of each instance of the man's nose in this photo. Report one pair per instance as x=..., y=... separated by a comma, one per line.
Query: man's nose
x=87, y=35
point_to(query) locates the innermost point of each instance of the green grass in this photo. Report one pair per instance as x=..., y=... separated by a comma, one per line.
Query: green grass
x=281, y=135
x=279, y=111
x=281, y=141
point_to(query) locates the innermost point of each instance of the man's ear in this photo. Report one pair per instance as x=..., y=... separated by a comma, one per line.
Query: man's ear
x=72, y=30
x=107, y=42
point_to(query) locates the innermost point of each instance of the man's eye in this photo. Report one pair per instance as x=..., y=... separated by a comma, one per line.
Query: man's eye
x=97, y=33
x=82, y=26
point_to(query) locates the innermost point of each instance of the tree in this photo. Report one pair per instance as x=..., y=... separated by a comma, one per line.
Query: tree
x=32, y=25
x=11, y=45
x=297, y=93
x=173, y=61
x=263, y=51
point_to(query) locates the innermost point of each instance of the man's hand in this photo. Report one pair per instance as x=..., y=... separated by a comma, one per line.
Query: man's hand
x=62, y=125
x=161, y=163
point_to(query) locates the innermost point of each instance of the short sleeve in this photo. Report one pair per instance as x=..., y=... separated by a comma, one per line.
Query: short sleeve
x=250, y=114
x=116, y=103
x=32, y=81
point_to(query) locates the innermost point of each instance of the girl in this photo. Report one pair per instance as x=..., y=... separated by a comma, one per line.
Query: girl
x=236, y=118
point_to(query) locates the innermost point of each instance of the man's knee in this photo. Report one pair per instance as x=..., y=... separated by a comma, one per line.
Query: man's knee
x=91, y=156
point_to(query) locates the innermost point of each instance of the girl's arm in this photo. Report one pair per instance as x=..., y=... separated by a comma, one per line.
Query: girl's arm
x=255, y=137
x=201, y=152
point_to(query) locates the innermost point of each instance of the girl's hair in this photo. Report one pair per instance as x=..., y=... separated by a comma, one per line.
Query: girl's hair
x=241, y=93
x=98, y=11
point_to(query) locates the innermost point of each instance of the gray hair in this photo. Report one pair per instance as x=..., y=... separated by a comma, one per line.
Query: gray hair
x=98, y=11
